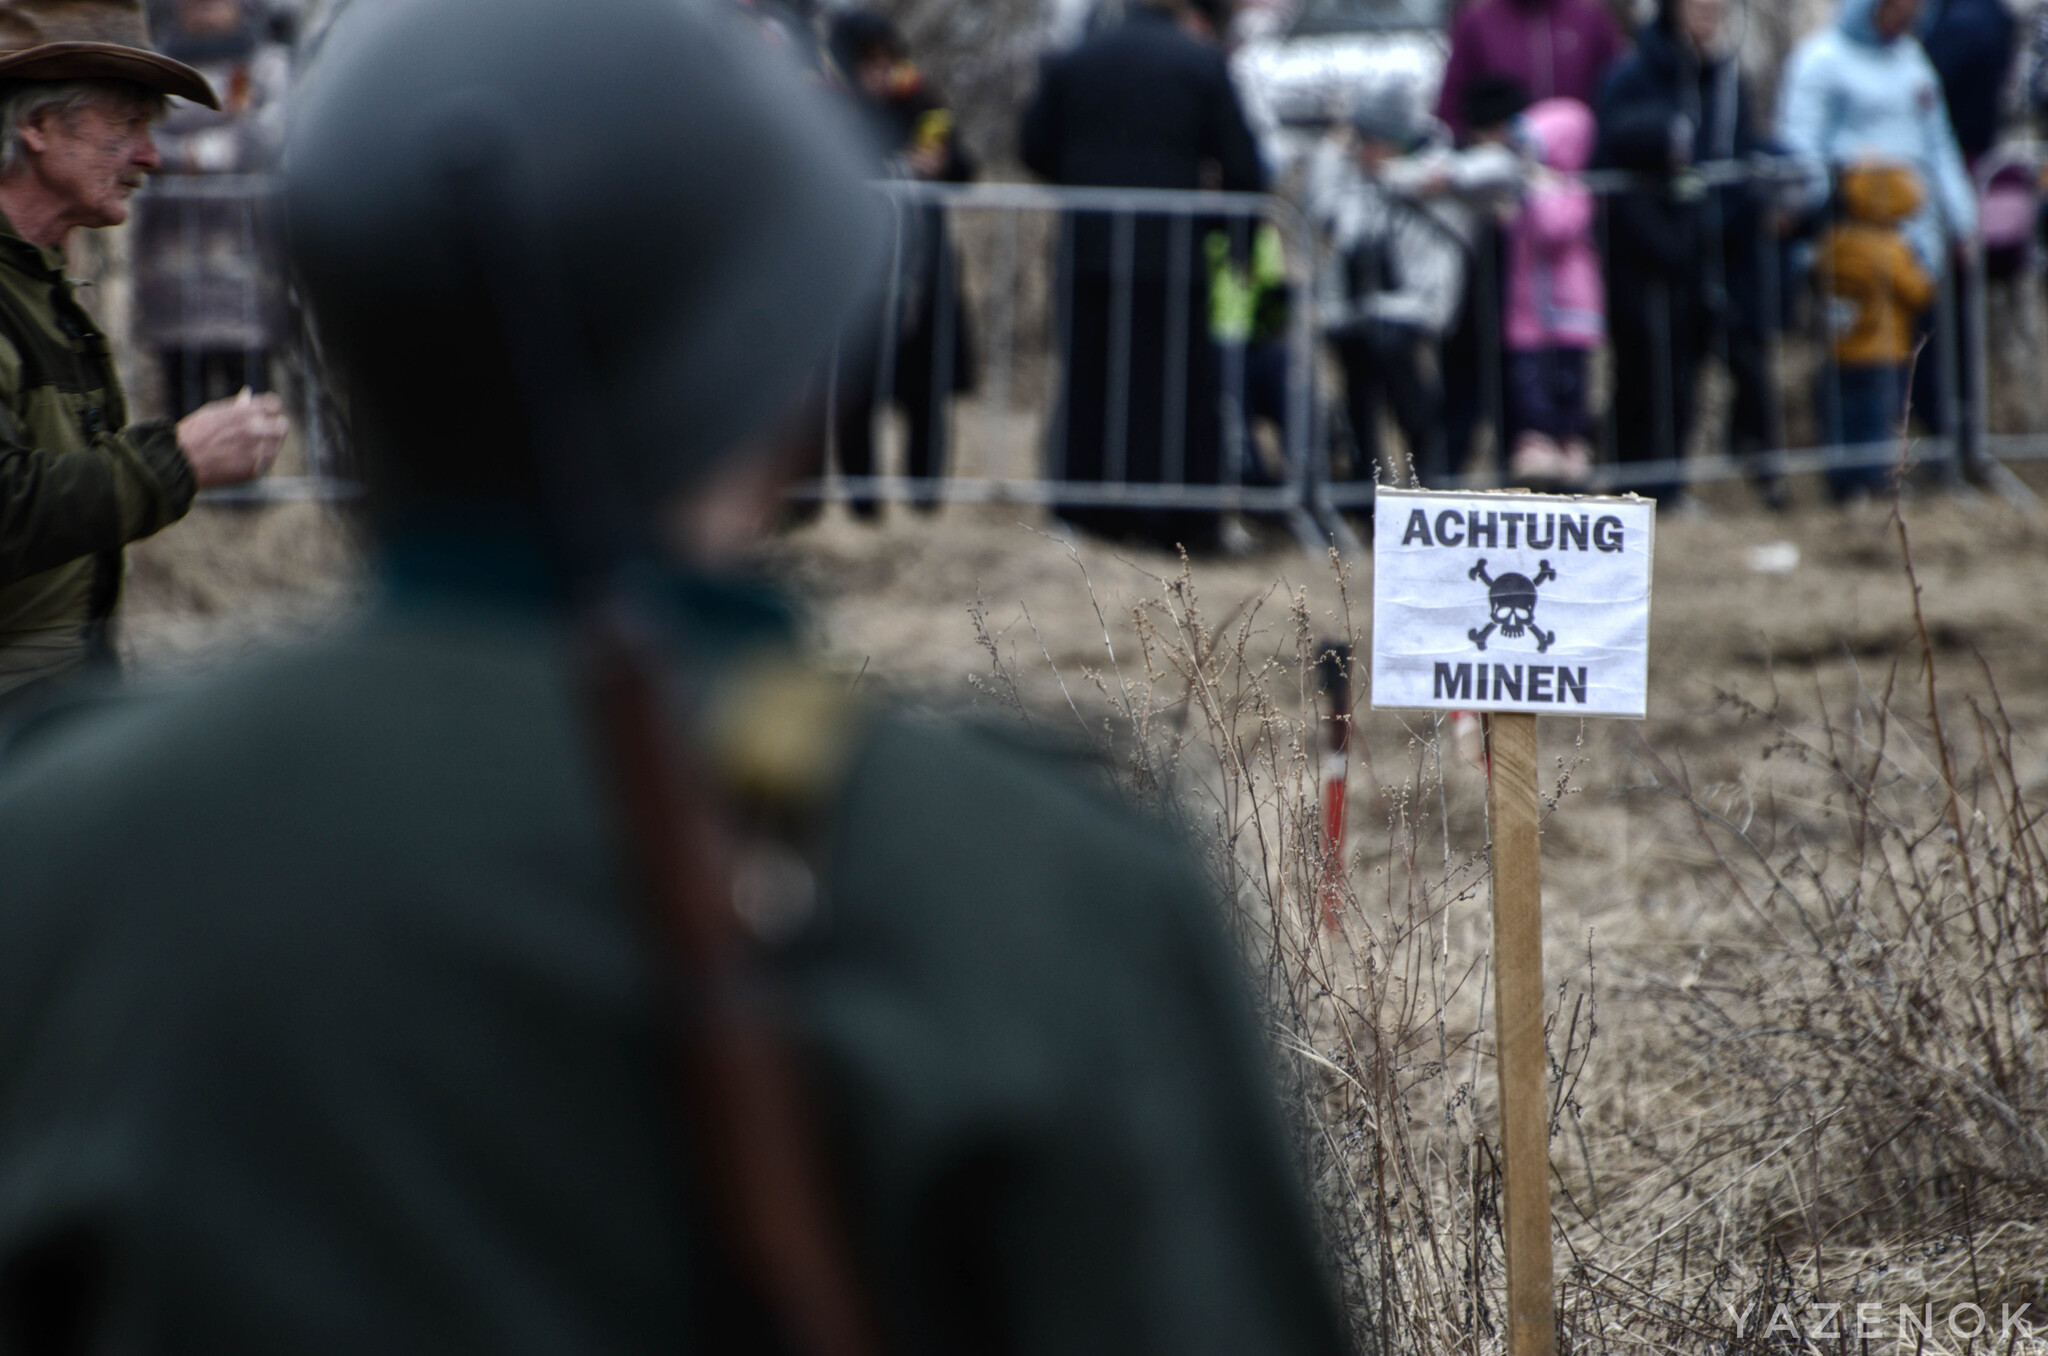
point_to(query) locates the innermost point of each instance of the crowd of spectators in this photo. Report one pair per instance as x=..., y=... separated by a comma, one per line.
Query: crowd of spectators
x=1473, y=275
x=1569, y=187
x=1871, y=203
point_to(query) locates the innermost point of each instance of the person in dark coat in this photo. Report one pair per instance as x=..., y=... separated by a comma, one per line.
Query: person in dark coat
x=1553, y=49
x=1971, y=44
x=1474, y=382
x=922, y=347
x=1687, y=266
x=1143, y=105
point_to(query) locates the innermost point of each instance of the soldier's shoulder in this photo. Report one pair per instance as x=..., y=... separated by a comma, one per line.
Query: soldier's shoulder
x=99, y=753
x=68, y=751
x=1058, y=766
x=952, y=802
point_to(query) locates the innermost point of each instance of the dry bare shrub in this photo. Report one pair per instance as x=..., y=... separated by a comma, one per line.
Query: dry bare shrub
x=1867, y=1086
x=1215, y=722
x=1834, y=1095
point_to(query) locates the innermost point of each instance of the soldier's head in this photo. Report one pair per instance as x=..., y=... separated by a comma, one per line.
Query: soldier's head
x=536, y=232
x=80, y=87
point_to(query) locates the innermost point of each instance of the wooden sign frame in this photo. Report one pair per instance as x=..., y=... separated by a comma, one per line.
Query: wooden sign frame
x=1513, y=801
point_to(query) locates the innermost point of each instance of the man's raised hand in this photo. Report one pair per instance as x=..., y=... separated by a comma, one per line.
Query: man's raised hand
x=230, y=441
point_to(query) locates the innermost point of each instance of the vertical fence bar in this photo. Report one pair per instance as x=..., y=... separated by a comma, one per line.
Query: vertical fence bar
x=191, y=375
x=1947, y=321
x=1232, y=406
x=1058, y=460
x=945, y=354
x=1610, y=422
x=1829, y=406
x=1173, y=421
x=882, y=371
x=250, y=300
x=1971, y=455
x=1123, y=288
x=1304, y=431
x=1492, y=385
x=1723, y=336
x=1771, y=301
x=1665, y=371
x=1003, y=322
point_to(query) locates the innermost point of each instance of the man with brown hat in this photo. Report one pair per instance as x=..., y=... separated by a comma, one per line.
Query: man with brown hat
x=79, y=90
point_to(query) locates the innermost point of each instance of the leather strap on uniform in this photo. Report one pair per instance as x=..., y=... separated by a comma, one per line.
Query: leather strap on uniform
x=762, y=1164
x=757, y=1147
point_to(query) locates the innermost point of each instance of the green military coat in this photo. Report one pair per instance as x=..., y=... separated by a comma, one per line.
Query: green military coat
x=326, y=1026
x=77, y=482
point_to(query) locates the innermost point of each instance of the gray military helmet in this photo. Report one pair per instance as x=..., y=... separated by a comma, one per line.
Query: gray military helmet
x=513, y=217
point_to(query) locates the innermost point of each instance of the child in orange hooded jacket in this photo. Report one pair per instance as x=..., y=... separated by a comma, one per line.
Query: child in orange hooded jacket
x=1876, y=290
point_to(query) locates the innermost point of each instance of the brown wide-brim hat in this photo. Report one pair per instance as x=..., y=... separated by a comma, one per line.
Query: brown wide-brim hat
x=91, y=40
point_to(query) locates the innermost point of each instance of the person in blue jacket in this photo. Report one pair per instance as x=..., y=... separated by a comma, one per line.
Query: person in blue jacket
x=1865, y=90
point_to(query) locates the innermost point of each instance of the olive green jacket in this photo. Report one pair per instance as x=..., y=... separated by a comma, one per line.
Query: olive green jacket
x=77, y=483
x=355, y=1045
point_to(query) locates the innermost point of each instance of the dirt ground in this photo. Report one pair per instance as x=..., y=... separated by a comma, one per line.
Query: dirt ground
x=894, y=600
x=892, y=604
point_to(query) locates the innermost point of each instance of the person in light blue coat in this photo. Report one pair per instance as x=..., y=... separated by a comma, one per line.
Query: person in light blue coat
x=1864, y=90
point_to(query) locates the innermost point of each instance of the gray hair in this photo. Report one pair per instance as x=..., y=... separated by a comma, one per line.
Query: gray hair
x=23, y=100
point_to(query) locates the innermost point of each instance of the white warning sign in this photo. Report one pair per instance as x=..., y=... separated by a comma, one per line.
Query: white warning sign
x=1512, y=602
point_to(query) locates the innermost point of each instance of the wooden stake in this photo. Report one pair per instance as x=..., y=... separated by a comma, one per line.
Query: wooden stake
x=1518, y=1024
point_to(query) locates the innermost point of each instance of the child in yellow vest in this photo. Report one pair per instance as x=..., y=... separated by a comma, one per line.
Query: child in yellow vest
x=1876, y=289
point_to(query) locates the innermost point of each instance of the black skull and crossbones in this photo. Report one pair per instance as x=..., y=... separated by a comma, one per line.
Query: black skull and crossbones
x=1513, y=599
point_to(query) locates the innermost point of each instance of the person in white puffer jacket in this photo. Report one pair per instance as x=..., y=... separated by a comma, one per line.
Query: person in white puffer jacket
x=1863, y=90
x=1402, y=212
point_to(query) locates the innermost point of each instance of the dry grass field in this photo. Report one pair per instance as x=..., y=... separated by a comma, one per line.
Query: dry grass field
x=1800, y=1036
x=1797, y=921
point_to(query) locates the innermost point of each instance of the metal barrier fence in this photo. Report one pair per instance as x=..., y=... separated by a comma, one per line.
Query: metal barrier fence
x=1752, y=288
x=1110, y=385
x=1755, y=315
x=1068, y=347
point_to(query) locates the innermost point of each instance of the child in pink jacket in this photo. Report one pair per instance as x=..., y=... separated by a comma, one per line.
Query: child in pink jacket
x=1556, y=305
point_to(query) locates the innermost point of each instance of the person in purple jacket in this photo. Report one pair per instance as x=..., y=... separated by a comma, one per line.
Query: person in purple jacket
x=1555, y=49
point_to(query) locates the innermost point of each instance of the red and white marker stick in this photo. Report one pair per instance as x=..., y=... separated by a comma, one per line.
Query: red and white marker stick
x=1333, y=683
